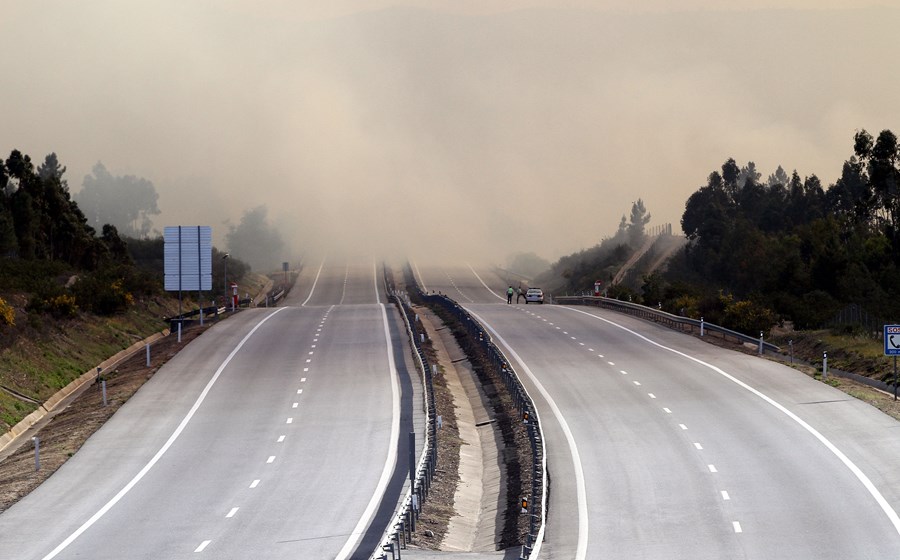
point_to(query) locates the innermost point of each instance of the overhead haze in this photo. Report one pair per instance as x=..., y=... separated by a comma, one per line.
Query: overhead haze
x=459, y=130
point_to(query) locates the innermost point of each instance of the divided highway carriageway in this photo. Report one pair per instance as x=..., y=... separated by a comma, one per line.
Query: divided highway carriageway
x=277, y=434
x=274, y=435
x=661, y=446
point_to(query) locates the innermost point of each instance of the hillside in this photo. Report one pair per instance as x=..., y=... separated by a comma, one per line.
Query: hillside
x=41, y=355
x=620, y=265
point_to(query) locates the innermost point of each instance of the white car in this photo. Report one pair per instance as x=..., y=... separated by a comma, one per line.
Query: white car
x=534, y=295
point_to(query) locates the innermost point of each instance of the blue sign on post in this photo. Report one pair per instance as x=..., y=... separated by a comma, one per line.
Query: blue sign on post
x=892, y=340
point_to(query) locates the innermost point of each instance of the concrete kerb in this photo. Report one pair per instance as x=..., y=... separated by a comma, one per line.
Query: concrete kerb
x=12, y=439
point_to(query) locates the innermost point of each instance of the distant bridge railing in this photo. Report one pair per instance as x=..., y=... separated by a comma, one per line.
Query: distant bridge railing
x=677, y=322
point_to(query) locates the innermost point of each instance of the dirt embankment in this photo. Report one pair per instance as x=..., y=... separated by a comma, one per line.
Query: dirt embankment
x=69, y=429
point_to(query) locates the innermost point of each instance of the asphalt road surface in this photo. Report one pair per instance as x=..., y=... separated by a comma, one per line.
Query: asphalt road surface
x=273, y=435
x=661, y=446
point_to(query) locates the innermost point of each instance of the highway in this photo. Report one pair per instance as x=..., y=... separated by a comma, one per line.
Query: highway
x=273, y=435
x=662, y=446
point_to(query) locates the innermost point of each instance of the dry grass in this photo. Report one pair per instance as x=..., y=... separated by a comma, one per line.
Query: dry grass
x=67, y=431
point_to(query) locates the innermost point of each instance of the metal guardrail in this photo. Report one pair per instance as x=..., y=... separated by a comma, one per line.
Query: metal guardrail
x=536, y=503
x=211, y=312
x=400, y=530
x=677, y=322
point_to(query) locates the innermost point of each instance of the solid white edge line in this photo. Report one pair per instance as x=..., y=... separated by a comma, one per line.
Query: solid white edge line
x=344, y=287
x=421, y=280
x=184, y=422
x=581, y=493
x=375, y=277
x=316, y=281
x=501, y=298
x=861, y=476
x=391, y=461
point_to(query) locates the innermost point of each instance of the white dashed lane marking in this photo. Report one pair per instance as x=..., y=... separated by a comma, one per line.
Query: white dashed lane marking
x=712, y=468
x=254, y=484
x=202, y=546
x=270, y=460
x=232, y=512
x=280, y=439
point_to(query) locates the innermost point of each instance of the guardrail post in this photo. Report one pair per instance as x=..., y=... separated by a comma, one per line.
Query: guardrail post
x=148, y=355
x=824, y=365
x=760, y=343
x=702, y=325
x=37, y=453
x=412, y=459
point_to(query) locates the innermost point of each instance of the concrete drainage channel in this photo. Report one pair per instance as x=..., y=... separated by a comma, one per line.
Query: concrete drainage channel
x=526, y=496
x=522, y=502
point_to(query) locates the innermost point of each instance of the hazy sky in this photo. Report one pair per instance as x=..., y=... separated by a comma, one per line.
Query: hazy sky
x=470, y=129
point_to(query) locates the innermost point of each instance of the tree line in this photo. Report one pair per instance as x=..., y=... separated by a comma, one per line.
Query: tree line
x=49, y=250
x=40, y=221
x=765, y=250
x=788, y=247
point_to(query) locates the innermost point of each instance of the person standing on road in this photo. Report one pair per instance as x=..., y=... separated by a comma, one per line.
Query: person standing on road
x=518, y=293
x=509, y=294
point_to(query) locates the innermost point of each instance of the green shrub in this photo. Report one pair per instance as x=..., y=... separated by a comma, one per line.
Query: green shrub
x=98, y=293
x=63, y=306
x=748, y=317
